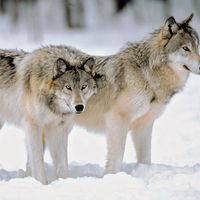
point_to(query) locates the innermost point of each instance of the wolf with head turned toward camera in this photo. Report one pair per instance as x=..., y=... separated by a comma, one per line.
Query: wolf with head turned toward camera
x=42, y=91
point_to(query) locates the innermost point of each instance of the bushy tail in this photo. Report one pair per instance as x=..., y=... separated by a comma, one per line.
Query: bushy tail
x=8, y=67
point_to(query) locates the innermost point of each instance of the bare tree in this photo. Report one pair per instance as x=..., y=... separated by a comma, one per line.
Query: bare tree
x=121, y=4
x=166, y=8
x=68, y=13
x=34, y=28
x=74, y=13
x=2, y=6
x=80, y=14
x=15, y=11
x=196, y=5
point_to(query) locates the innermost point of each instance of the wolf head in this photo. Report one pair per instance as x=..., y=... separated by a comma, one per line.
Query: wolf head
x=61, y=78
x=75, y=84
x=181, y=43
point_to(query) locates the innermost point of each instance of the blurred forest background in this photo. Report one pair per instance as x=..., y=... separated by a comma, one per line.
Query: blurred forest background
x=37, y=17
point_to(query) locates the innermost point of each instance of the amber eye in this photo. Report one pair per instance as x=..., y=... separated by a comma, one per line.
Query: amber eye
x=186, y=49
x=83, y=87
x=68, y=87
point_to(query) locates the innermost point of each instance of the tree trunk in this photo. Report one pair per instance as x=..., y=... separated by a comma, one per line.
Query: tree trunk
x=80, y=14
x=2, y=6
x=68, y=13
x=166, y=8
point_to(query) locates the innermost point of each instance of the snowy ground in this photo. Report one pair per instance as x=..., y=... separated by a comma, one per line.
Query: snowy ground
x=176, y=143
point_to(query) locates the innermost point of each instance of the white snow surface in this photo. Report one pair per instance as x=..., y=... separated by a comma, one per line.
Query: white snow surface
x=176, y=141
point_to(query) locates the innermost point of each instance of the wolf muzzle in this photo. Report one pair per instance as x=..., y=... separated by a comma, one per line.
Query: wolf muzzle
x=79, y=108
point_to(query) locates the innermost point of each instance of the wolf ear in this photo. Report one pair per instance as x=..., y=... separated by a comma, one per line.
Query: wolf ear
x=61, y=66
x=88, y=64
x=170, y=28
x=188, y=19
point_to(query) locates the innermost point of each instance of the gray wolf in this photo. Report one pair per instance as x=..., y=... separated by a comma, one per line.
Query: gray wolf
x=42, y=91
x=140, y=81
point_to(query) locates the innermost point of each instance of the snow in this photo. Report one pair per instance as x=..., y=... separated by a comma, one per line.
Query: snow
x=151, y=182
x=175, y=149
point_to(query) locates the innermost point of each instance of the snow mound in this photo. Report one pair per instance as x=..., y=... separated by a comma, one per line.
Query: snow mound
x=138, y=182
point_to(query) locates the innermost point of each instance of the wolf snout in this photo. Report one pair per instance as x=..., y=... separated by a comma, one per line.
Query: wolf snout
x=79, y=108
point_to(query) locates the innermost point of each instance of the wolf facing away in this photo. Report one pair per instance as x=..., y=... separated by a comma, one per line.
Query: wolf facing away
x=140, y=81
x=42, y=91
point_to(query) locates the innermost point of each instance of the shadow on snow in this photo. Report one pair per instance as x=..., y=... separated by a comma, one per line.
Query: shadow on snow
x=94, y=170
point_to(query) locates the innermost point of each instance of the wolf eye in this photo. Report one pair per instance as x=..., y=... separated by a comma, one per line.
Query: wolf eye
x=83, y=87
x=68, y=87
x=186, y=49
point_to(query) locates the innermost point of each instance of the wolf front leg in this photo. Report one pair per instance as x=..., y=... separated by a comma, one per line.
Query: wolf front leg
x=57, y=142
x=141, y=132
x=35, y=150
x=28, y=164
x=142, y=142
x=116, y=138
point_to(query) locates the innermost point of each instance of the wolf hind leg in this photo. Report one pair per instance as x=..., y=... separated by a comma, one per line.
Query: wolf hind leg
x=116, y=138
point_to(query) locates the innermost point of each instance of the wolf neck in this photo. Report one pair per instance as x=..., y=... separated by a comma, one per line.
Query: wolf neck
x=164, y=80
x=148, y=53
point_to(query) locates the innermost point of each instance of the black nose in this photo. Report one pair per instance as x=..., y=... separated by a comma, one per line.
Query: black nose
x=79, y=108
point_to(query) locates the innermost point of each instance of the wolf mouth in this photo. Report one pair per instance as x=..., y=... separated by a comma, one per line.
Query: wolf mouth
x=79, y=112
x=186, y=68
